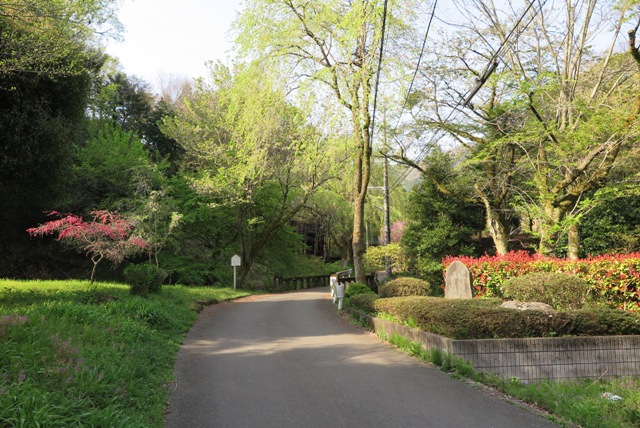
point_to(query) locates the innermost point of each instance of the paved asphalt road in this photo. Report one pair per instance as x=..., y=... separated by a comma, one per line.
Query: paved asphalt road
x=290, y=361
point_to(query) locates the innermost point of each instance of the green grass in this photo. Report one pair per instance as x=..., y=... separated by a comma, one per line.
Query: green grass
x=578, y=402
x=74, y=356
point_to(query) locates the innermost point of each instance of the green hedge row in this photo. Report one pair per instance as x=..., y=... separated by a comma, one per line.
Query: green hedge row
x=613, y=280
x=485, y=319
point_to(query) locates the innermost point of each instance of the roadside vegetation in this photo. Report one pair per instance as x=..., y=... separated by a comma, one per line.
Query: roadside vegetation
x=484, y=318
x=585, y=402
x=74, y=355
x=588, y=403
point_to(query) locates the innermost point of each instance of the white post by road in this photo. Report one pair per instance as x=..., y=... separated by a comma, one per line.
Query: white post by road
x=235, y=262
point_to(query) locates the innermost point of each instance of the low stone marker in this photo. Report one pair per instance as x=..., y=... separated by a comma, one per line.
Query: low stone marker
x=458, y=282
x=381, y=276
x=528, y=306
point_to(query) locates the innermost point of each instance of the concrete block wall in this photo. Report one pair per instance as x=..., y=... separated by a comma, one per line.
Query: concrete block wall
x=537, y=358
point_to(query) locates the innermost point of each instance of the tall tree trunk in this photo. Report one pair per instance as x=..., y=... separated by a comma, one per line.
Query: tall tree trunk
x=495, y=224
x=548, y=228
x=498, y=232
x=573, y=250
x=361, y=118
x=359, y=240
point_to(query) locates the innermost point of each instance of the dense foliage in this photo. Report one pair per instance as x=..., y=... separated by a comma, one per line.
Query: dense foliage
x=405, y=286
x=364, y=302
x=144, y=278
x=440, y=224
x=248, y=162
x=108, y=236
x=355, y=288
x=376, y=258
x=485, y=319
x=613, y=280
x=559, y=290
x=612, y=227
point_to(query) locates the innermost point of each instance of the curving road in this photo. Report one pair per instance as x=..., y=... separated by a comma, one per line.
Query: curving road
x=289, y=361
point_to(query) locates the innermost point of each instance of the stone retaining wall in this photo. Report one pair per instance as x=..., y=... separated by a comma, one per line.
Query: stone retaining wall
x=533, y=359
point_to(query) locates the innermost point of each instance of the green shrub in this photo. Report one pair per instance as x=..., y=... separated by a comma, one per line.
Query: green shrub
x=435, y=277
x=562, y=291
x=400, y=287
x=485, y=319
x=364, y=302
x=614, y=279
x=601, y=321
x=144, y=278
x=356, y=288
x=376, y=257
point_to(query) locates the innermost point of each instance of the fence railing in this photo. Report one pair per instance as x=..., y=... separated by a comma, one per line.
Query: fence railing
x=305, y=282
x=370, y=281
x=300, y=282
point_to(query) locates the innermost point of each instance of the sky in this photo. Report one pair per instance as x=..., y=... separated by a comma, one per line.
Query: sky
x=173, y=37
x=165, y=38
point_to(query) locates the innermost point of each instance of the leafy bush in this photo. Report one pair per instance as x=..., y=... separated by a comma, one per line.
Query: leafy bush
x=485, y=319
x=559, y=290
x=406, y=286
x=614, y=280
x=435, y=277
x=364, y=302
x=144, y=278
x=599, y=321
x=356, y=288
x=374, y=258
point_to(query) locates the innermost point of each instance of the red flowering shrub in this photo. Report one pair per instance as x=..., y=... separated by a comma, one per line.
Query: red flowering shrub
x=109, y=236
x=613, y=279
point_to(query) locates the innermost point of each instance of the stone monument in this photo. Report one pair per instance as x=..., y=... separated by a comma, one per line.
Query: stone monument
x=458, y=282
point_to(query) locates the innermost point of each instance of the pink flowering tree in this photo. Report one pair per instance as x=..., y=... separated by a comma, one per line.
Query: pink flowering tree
x=108, y=236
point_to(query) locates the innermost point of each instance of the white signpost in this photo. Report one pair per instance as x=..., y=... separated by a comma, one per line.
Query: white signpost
x=235, y=262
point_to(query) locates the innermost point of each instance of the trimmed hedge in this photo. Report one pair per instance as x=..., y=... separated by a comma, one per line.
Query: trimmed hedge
x=485, y=319
x=560, y=290
x=405, y=287
x=614, y=280
x=364, y=302
x=356, y=288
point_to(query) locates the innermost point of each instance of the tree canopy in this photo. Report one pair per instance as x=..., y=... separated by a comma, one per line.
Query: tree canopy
x=522, y=121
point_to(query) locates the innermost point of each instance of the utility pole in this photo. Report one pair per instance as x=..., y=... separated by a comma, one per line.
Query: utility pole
x=481, y=81
x=387, y=221
x=386, y=206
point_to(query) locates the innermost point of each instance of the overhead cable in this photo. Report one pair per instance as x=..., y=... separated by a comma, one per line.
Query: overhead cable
x=493, y=63
x=375, y=93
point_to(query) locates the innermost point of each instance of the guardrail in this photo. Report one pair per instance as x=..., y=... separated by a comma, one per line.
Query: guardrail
x=370, y=281
x=300, y=282
x=304, y=282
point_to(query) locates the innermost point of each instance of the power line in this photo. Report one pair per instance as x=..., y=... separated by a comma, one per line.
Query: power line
x=424, y=149
x=375, y=93
x=515, y=27
x=415, y=73
x=493, y=63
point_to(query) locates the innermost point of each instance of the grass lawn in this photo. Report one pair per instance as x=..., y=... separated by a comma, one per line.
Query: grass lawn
x=71, y=355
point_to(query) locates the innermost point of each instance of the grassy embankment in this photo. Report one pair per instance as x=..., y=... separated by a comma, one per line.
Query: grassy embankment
x=77, y=356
